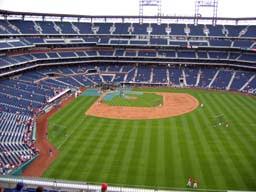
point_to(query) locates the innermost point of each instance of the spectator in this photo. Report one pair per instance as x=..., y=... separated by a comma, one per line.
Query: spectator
x=39, y=189
x=19, y=187
x=1, y=188
x=104, y=187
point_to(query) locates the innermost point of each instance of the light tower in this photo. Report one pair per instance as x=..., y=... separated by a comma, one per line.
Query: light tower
x=210, y=5
x=149, y=3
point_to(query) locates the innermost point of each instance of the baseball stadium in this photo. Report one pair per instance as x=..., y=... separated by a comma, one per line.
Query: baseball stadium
x=127, y=103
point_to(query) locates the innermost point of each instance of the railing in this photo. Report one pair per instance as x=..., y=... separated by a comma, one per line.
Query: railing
x=10, y=181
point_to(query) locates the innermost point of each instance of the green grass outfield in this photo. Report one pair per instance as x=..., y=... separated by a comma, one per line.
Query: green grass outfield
x=163, y=152
x=136, y=100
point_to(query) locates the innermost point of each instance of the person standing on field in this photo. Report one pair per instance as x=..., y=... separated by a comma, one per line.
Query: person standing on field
x=190, y=181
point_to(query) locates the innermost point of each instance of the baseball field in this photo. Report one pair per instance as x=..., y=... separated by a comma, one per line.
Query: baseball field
x=215, y=143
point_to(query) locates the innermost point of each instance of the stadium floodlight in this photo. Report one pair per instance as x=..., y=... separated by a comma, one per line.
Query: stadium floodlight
x=149, y=3
x=210, y=5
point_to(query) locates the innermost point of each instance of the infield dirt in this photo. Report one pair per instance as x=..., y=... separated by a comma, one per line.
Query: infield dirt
x=174, y=104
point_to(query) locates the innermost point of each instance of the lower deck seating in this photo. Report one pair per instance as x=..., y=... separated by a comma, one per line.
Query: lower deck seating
x=30, y=91
x=16, y=144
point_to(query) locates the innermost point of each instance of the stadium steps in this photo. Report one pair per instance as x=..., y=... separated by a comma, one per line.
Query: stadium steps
x=135, y=74
x=112, y=29
x=176, y=54
x=75, y=28
x=58, y=54
x=72, y=71
x=137, y=53
x=4, y=29
x=76, y=54
x=57, y=28
x=151, y=75
x=198, y=77
x=243, y=31
x=13, y=27
x=102, y=79
x=121, y=69
x=252, y=45
x=93, y=82
x=37, y=27
x=62, y=82
x=213, y=79
x=126, y=75
x=114, y=53
x=232, y=44
x=196, y=55
x=168, y=76
x=184, y=77
x=247, y=83
x=207, y=55
x=23, y=43
x=231, y=81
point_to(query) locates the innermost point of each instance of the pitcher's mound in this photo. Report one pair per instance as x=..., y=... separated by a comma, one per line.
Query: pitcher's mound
x=174, y=104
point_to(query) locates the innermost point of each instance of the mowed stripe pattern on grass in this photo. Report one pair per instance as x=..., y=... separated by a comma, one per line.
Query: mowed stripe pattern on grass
x=163, y=152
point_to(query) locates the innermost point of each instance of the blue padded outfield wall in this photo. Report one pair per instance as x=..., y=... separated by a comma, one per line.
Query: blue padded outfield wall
x=91, y=92
x=113, y=94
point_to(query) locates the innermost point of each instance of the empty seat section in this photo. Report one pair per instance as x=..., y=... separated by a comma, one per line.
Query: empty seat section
x=84, y=28
x=147, y=54
x=174, y=75
x=143, y=74
x=166, y=54
x=159, y=74
x=178, y=43
x=158, y=29
x=121, y=28
x=106, y=53
x=196, y=30
x=138, y=42
x=222, y=80
x=250, y=32
x=26, y=27
x=140, y=28
x=186, y=54
x=202, y=54
x=218, y=55
x=158, y=41
x=248, y=57
x=66, y=27
x=104, y=28
x=47, y=27
x=206, y=76
x=119, y=53
x=242, y=43
x=67, y=54
x=220, y=42
x=234, y=31
x=177, y=29
x=241, y=77
x=191, y=75
x=216, y=30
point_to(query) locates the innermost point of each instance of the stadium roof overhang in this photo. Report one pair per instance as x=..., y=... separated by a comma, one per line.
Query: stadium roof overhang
x=6, y=13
